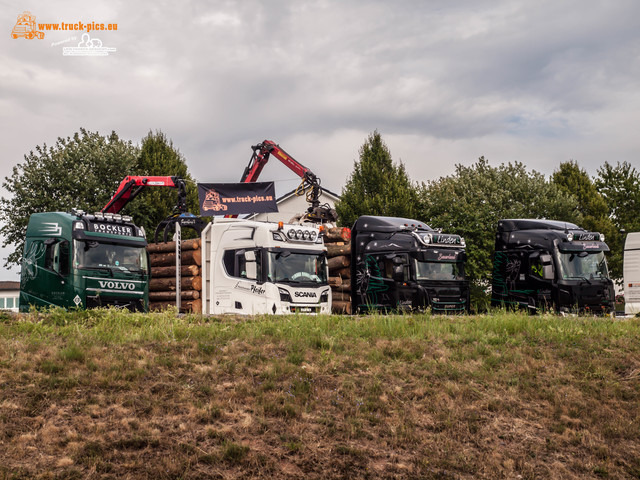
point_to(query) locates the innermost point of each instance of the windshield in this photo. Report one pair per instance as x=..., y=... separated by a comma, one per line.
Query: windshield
x=90, y=254
x=291, y=267
x=439, y=271
x=583, y=265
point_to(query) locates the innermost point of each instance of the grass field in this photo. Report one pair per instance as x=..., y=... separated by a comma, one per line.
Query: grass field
x=104, y=394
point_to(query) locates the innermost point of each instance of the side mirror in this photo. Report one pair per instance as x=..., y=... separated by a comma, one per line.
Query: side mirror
x=398, y=273
x=541, y=266
x=398, y=260
x=251, y=265
x=547, y=267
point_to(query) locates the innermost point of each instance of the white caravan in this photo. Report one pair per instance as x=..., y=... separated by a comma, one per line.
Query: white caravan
x=253, y=267
x=631, y=272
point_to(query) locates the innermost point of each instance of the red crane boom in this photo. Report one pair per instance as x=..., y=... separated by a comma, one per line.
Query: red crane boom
x=310, y=182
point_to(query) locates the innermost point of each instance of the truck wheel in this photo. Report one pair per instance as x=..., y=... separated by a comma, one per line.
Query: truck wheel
x=30, y=35
x=14, y=35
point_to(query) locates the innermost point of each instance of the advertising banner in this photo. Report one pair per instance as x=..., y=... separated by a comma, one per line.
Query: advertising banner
x=236, y=198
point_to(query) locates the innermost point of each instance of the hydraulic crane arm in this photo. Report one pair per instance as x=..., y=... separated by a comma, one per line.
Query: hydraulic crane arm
x=260, y=157
x=132, y=185
x=310, y=182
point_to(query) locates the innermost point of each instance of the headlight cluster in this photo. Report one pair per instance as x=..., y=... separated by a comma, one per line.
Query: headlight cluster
x=284, y=295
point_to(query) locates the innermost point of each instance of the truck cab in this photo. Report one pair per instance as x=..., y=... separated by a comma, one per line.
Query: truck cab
x=548, y=264
x=75, y=260
x=402, y=264
x=253, y=267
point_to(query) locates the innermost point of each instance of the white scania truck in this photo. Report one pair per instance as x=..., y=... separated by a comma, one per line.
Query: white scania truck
x=253, y=267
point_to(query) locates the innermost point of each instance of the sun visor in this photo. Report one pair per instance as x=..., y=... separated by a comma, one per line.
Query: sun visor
x=583, y=247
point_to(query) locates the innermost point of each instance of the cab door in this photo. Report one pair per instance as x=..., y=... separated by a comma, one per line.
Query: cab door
x=58, y=289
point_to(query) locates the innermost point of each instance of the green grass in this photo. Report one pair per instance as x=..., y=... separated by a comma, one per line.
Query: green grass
x=419, y=396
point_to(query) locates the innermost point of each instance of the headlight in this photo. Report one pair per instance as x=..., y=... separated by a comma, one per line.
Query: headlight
x=569, y=237
x=324, y=298
x=299, y=235
x=284, y=295
x=306, y=235
x=291, y=233
x=314, y=235
x=602, y=237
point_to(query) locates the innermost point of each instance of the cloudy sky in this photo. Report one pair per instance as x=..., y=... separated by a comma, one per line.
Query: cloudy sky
x=443, y=82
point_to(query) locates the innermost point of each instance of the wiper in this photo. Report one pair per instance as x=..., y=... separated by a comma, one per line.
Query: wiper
x=108, y=269
x=136, y=270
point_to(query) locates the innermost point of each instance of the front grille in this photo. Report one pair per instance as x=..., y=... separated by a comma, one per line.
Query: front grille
x=449, y=305
x=132, y=304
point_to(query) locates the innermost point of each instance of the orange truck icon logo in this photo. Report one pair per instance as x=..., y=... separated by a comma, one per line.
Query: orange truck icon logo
x=26, y=27
x=212, y=202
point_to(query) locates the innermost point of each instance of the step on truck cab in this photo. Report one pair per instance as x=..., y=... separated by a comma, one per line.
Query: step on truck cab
x=401, y=264
x=75, y=260
x=253, y=267
x=548, y=264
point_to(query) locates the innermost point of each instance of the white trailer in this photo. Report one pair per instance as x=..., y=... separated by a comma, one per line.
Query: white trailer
x=631, y=272
x=253, y=267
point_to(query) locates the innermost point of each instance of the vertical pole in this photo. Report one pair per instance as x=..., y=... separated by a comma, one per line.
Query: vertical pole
x=178, y=267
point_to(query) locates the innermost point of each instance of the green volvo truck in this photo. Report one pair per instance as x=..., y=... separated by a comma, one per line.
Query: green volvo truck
x=75, y=260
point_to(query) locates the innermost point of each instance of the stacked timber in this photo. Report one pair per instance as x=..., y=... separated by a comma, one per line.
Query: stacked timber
x=338, y=243
x=162, y=287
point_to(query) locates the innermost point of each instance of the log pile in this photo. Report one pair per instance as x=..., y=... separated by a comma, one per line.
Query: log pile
x=338, y=243
x=162, y=287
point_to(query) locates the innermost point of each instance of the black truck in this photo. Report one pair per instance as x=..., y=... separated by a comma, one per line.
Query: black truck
x=548, y=264
x=399, y=264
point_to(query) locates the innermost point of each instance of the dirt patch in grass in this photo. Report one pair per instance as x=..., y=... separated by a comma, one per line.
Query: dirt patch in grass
x=458, y=398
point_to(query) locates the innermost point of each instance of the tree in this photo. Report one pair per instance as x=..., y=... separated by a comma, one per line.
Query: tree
x=470, y=203
x=79, y=171
x=376, y=186
x=593, y=208
x=158, y=156
x=84, y=171
x=620, y=188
